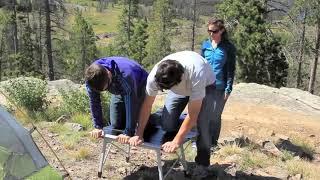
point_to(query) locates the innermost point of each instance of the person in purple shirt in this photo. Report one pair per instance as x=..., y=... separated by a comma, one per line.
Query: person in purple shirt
x=125, y=79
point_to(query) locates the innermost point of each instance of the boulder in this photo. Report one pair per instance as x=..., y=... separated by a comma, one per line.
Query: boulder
x=63, y=119
x=237, y=139
x=74, y=126
x=270, y=148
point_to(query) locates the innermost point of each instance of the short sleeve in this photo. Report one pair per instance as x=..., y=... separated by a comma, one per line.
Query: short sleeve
x=151, y=87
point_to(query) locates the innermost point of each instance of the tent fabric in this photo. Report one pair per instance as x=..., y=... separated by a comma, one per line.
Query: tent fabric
x=19, y=155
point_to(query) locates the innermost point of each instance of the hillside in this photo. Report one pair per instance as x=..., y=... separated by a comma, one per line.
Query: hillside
x=255, y=111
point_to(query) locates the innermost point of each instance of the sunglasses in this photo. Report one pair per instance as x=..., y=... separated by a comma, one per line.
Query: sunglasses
x=213, y=31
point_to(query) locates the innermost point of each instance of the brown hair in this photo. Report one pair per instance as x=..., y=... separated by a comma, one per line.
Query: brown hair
x=96, y=77
x=219, y=23
x=169, y=73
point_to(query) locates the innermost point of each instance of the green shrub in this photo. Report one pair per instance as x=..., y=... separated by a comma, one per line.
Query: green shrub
x=83, y=119
x=77, y=101
x=27, y=92
x=74, y=101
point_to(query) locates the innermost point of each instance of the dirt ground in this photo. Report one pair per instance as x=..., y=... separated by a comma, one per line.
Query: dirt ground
x=254, y=120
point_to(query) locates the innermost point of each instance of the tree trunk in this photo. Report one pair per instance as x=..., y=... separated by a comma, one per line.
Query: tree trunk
x=40, y=41
x=15, y=28
x=194, y=10
x=315, y=61
x=48, y=39
x=301, y=51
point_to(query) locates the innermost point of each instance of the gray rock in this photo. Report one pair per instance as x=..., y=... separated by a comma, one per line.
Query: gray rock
x=74, y=126
x=63, y=119
x=260, y=172
x=239, y=140
x=269, y=147
x=231, y=170
x=296, y=177
x=52, y=135
x=282, y=137
x=291, y=99
x=277, y=172
x=54, y=87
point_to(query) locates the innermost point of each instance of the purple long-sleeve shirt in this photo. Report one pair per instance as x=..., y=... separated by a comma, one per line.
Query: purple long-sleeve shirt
x=128, y=77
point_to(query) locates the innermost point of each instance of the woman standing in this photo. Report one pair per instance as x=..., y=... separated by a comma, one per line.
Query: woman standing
x=220, y=54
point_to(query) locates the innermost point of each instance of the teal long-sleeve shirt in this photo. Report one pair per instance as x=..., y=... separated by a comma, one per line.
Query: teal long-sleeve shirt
x=222, y=60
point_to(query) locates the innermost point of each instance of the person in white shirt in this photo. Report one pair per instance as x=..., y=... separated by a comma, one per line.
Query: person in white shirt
x=190, y=80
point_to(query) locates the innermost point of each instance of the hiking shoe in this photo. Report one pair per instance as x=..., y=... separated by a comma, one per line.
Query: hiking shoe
x=200, y=172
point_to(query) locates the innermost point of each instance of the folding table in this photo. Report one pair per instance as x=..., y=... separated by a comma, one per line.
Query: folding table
x=152, y=140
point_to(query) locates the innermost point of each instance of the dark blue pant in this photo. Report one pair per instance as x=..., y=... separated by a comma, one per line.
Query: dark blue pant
x=215, y=125
x=173, y=107
x=118, y=110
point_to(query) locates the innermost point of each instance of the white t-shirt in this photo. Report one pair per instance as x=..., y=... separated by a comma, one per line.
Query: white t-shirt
x=197, y=75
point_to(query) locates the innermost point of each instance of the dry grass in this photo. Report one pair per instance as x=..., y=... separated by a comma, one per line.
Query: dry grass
x=286, y=155
x=22, y=117
x=58, y=128
x=255, y=159
x=229, y=150
x=83, y=119
x=307, y=169
x=306, y=144
x=190, y=152
x=82, y=153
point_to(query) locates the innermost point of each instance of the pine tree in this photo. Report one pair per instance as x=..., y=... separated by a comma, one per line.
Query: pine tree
x=158, y=45
x=83, y=47
x=127, y=19
x=27, y=63
x=260, y=58
x=138, y=41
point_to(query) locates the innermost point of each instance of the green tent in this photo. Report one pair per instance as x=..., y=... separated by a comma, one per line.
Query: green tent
x=19, y=155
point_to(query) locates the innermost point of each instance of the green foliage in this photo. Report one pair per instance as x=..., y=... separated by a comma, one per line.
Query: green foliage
x=58, y=128
x=27, y=64
x=100, y=23
x=260, y=58
x=308, y=8
x=82, y=47
x=125, y=27
x=77, y=101
x=27, y=92
x=138, y=41
x=158, y=45
x=74, y=101
x=82, y=119
x=49, y=114
x=108, y=51
x=286, y=155
x=22, y=64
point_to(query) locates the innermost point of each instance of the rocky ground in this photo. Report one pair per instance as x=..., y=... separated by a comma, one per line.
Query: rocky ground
x=260, y=117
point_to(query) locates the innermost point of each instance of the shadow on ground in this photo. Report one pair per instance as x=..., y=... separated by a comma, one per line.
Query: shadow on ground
x=216, y=173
